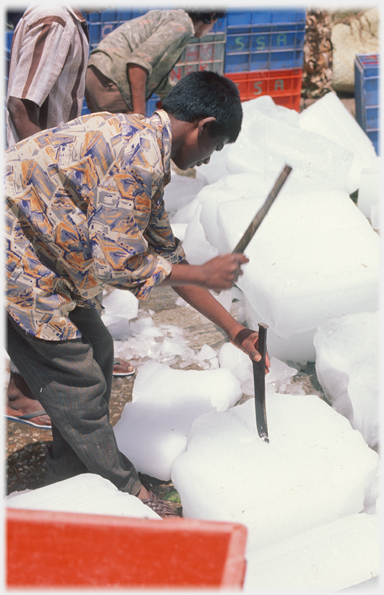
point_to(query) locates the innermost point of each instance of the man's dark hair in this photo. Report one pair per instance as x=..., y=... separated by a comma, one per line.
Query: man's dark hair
x=206, y=15
x=203, y=94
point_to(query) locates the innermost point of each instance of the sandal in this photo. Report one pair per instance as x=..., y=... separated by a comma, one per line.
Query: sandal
x=122, y=368
x=27, y=419
x=159, y=506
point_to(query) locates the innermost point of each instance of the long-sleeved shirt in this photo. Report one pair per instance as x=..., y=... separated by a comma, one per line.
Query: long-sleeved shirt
x=85, y=210
x=49, y=56
x=154, y=41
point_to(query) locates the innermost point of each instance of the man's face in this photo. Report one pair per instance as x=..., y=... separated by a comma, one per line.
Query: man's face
x=198, y=148
x=202, y=29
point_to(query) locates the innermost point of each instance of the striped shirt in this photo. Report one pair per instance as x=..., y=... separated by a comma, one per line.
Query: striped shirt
x=85, y=210
x=49, y=56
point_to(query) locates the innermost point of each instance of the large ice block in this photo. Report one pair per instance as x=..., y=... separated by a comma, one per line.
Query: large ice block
x=228, y=188
x=298, y=348
x=325, y=559
x=180, y=191
x=153, y=429
x=197, y=248
x=329, y=117
x=368, y=199
x=266, y=144
x=347, y=366
x=86, y=493
x=314, y=470
x=314, y=257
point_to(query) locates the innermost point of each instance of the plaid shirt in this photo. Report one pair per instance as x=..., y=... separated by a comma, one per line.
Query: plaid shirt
x=85, y=210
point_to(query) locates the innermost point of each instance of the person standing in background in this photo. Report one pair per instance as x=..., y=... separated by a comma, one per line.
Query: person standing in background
x=48, y=61
x=136, y=59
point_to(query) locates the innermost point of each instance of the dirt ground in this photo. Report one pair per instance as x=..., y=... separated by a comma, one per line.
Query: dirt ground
x=26, y=446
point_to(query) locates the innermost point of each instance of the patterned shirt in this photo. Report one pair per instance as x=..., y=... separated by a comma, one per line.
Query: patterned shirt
x=85, y=210
x=154, y=41
x=49, y=56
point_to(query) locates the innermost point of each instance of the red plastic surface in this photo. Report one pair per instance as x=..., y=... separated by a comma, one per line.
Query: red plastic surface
x=284, y=86
x=58, y=549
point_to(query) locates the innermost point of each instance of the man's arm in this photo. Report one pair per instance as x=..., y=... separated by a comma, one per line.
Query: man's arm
x=137, y=78
x=24, y=115
x=204, y=302
x=219, y=273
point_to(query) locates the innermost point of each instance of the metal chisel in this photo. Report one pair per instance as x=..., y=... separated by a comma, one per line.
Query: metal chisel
x=259, y=384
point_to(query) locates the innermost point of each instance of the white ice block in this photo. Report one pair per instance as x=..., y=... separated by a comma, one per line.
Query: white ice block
x=216, y=168
x=181, y=191
x=120, y=307
x=179, y=230
x=266, y=144
x=315, y=469
x=347, y=366
x=185, y=214
x=329, y=117
x=153, y=429
x=120, y=303
x=328, y=558
x=298, y=348
x=86, y=493
x=369, y=191
x=197, y=248
x=229, y=188
x=314, y=257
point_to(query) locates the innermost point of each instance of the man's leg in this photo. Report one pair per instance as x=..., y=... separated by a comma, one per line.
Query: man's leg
x=72, y=380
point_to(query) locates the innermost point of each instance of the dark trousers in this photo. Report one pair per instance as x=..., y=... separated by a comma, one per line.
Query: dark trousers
x=72, y=380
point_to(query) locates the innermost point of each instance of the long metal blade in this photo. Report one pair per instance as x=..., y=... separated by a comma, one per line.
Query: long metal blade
x=259, y=217
x=259, y=384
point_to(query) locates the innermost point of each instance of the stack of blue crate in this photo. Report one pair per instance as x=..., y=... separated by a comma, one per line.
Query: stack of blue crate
x=261, y=50
x=367, y=72
x=264, y=53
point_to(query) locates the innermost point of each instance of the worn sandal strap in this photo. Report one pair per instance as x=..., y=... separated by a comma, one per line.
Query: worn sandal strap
x=31, y=415
x=159, y=506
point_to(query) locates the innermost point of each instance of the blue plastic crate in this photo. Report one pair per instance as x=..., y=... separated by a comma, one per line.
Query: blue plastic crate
x=150, y=105
x=220, y=26
x=367, y=74
x=124, y=15
x=84, y=110
x=206, y=53
x=105, y=21
x=264, y=40
x=8, y=40
x=139, y=13
x=108, y=16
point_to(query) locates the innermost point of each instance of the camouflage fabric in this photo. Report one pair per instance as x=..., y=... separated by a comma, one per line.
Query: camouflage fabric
x=154, y=41
x=85, y=210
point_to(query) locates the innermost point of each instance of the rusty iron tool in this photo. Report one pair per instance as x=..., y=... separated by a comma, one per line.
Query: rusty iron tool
x=257, y=220
x=259, y=384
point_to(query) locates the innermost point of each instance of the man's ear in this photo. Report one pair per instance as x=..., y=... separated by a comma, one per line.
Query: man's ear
x=204, y=123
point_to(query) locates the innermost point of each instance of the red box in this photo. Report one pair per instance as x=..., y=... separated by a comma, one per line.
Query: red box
x=60, y=549
x=284, y=86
